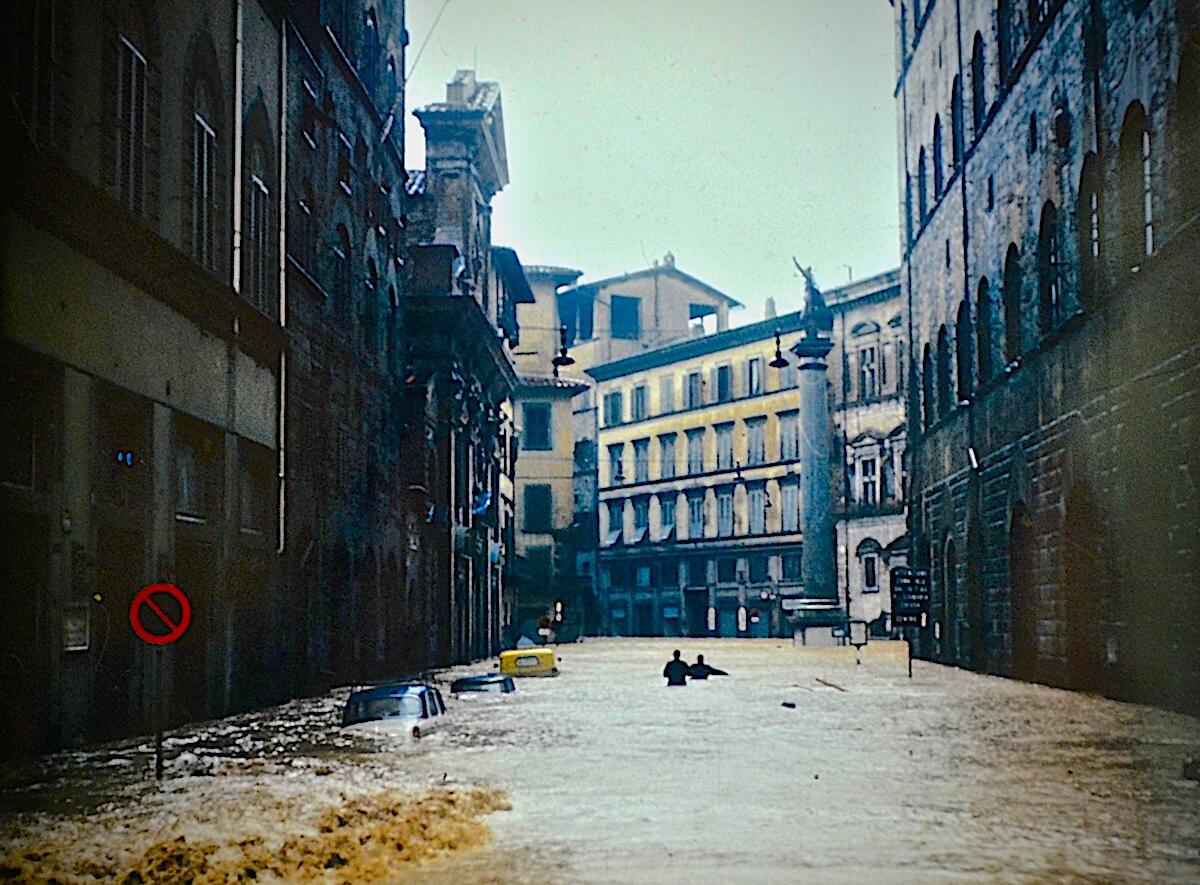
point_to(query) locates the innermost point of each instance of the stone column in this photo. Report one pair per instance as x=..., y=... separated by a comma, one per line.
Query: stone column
x=816, y=495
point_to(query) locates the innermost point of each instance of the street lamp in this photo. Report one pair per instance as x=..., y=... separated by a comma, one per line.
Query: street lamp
x=563, y=358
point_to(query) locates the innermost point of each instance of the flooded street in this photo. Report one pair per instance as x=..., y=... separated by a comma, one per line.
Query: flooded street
x=608, y=776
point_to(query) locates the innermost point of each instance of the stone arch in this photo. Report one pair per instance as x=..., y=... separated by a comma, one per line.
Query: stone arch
x=950, y=594
x=945, y=388
x=1012, y=295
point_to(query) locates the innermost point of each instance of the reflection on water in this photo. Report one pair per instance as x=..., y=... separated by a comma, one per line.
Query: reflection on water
x=613, y=777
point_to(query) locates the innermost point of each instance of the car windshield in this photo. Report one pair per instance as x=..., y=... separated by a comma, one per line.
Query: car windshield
x=405, y=706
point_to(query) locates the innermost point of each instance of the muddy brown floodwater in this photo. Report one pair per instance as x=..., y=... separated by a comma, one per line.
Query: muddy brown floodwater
x=605, y=775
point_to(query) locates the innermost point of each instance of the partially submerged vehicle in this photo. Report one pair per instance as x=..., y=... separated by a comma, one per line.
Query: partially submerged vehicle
x=529, y=662
x=492, y=683
x=403, y=709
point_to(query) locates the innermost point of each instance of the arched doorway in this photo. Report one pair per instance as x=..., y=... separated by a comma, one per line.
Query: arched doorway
x=1022, y=611
x=950, y=638
x=1082, y=566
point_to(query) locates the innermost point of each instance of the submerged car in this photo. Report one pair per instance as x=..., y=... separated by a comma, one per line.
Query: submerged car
x=399, y=708
x=529, y=662
x=484, y=682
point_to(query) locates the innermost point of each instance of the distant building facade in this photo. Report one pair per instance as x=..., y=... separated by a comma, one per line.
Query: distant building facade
x=1049, y=163
x=699, y=458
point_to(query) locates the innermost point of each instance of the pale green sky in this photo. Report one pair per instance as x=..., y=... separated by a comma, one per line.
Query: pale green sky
x=733, y=134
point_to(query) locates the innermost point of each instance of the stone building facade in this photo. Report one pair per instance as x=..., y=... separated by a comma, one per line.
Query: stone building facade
x=143, y=349
x=1049, y=163
x=699, y=474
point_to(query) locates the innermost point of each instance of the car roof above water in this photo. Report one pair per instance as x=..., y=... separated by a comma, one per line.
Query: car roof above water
x=391, y=690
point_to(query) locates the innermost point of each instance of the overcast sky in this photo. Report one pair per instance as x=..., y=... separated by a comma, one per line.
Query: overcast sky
x=733, y=135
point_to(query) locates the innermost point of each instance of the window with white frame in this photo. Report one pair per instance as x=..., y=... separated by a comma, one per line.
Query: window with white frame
x=757, y=499
x=641, y=460
x=868, y=481
x=695, y=516
x=613, y=409
x=616, y=518
x=638, y=403
x=616, y=463
x=204, y=178
x=789, y=435
x=695, y=391
x=754, y=376
x=725, y=513
x=641, y=513
x=666, y=456
x=695, y=451
x=131, y=123
x=756, y=440
x=666, y=394
x=666, y=512
x=789, y=493
x=724, y=446
x=867, y=379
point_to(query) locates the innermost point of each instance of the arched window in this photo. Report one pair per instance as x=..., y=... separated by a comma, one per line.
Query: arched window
x=1004, y=35
x=304, y=233
x=956, y=123
x=256, y=235
x=368, y=62
x=1087, y=231
x=341, y=270
x=37, y=65
x=938, y=160
x=1012, y=304
x=908, y=226
x=922, y=197
x=962, y=350
x=1135, y=186
x=203, y=186
x=978, y=84
x=945, y=400
x=983, y=330
x=370, y=295
x=132, y=100
x=928, y=409
x=1049, y=274
x=1187, y=124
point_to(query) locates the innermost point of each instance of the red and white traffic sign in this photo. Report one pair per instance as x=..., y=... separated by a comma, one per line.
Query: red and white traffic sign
x=147, y=615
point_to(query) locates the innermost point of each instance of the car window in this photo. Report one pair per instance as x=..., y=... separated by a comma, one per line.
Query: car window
x=405, y=706
x=441, y=701
x=528, y=661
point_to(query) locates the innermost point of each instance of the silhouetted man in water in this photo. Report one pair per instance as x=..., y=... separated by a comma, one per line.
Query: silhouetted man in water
x=701, y=670
x=676, y=670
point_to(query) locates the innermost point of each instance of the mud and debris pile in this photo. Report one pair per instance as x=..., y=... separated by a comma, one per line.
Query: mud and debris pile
x=359, y=839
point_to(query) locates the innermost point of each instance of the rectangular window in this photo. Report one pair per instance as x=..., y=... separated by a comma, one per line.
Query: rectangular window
x=626, y=320
x=536, y=436
x=695, y=516
x=666, y=512
x=788, y=379
x=869, y=480
x=725, y=513
x=616, y=464
x=789, y=436
x=759, y=574
x=666, y=456
x=754, y=376
x=614, y=412
x=791, y=567
x=867, y=388
x=695, y=391
x=695, y=451
x=642, y=575
x=726, y=571
x=757, y=498
x=641, y=514
x=724, y=383
x=616, y=519
x=255, y=283
x=870, y=578
x=756, y=440
x=131, y=123
x=724, y=446
x=666, y=394
x=789, y=512
x=204, y=190
x=641, y=460
x=697, y=575
x=539, y=508
x=638, y=405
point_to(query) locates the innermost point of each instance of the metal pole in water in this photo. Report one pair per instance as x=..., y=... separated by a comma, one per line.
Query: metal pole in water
x=908, y=645
x=158, y=715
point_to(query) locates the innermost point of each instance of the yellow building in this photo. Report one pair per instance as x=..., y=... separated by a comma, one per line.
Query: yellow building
x=544, y=496
x=699, y=494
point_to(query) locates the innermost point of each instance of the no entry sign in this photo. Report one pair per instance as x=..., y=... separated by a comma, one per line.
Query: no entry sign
x=160, y=614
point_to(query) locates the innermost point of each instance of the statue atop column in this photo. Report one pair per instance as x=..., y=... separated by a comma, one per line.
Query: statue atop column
x=817, y=316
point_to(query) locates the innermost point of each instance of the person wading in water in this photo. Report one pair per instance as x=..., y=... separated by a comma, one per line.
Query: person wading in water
x=676, y=670
x=701, y=670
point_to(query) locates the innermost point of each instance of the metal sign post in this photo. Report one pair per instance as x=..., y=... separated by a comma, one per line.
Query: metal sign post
x=858, y=638
x=910, y=603
x=147, y=617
